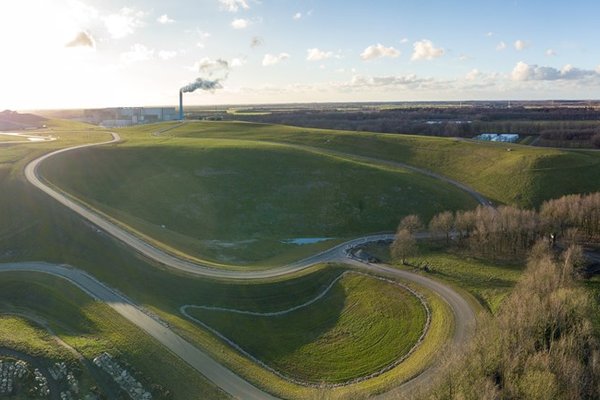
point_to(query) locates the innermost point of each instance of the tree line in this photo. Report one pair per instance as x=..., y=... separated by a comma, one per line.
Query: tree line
x=540, y=344
x=506, y=232
x=559, y=127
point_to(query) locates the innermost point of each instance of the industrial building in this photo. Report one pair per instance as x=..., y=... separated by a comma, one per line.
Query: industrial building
x=498, y=137
x=125, y=116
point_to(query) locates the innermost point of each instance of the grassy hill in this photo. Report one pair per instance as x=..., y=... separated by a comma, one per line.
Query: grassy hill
x=524, y=176
x=92, y=328
x=347, y=334
x=14, y=120
x=242, y=201
x=37, y=228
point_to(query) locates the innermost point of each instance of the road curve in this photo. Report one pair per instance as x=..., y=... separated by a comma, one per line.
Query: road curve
x=217, y=373
x=167, y=259
x=199, y=360
x=213, y=370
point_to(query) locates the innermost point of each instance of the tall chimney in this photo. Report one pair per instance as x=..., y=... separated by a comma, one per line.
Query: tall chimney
x=181, y=105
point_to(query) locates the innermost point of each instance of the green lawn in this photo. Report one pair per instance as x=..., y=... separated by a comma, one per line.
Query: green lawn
x=235, y=202
x=524, y=176
x=487, y=281
x=91, y=328
x=359, y=327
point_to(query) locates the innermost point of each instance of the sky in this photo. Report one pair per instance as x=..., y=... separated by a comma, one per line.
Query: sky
x=91, y=53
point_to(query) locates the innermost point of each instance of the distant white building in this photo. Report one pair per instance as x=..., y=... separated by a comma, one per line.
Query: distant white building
x=125, y=116
x=498, y=137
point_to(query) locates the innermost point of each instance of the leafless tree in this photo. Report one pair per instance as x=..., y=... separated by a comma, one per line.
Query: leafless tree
x=403, y=246
x=411, y=223
x=442, y=224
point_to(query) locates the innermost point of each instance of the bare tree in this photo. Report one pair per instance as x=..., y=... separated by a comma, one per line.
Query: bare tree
x=442, y=224
x=403, y=246
x=411, y=223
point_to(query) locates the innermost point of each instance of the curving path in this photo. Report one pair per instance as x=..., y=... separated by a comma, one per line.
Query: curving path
x=217, y=373
x=199, y=360
x=183, y=310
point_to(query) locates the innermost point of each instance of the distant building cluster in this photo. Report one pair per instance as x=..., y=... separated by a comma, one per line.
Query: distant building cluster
x=498, y=137
x=126, y=116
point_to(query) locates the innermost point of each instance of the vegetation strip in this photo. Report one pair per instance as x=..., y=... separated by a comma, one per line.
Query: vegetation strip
x=388, y=367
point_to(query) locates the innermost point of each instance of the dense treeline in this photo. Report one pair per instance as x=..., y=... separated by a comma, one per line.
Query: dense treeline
x=568, y=127
x=576, y=211
x=508, y=232
x=540, y=344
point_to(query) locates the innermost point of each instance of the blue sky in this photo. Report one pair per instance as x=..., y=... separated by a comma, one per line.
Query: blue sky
x=90, y=53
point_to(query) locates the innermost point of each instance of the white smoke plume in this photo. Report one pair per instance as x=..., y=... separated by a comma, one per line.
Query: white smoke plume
x=203, y=84
x=213, y=73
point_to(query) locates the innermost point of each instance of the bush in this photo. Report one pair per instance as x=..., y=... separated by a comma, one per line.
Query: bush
x=540, y=345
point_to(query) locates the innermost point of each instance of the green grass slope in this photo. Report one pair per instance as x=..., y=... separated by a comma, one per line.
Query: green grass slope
x=359, y=327
x=237, y=201
x=524, y=176
x=91, y=328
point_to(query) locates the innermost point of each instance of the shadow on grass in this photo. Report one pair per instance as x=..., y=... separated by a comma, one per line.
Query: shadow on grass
x=273, y=339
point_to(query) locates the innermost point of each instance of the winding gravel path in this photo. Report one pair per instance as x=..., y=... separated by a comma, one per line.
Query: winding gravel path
x=198, y=359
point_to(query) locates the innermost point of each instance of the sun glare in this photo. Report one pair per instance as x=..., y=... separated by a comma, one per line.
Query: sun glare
x=38, y=65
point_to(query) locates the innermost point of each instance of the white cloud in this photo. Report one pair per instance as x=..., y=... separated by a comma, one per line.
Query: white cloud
x=297, y=16
x=318, y=55
x=272, y=59
x=501, y=46
x=378, y=51
x=404, y=40
x=532, y=72
x=165, y=19
x=203, y=38
x=167, y=54
x=521, y=45
x=489, y=34
x=550, y=52
x=425, y=50
x=240, y=23
x=237, y=62
x=411, y=81
x=234, y=5
x=137, y=53
x=123, y=23
x=209, y=66
x=473, y=75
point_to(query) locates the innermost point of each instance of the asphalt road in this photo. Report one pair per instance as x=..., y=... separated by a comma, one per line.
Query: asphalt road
x=217, y=373
x=199, y=360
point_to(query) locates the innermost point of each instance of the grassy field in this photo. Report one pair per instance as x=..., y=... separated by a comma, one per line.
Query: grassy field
x=36, y=228
x=92, y=328
x=524, y=176
x=238, y=201
x=359, y=327
x=35, y=341
x=31, y=339
x=487, y=281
